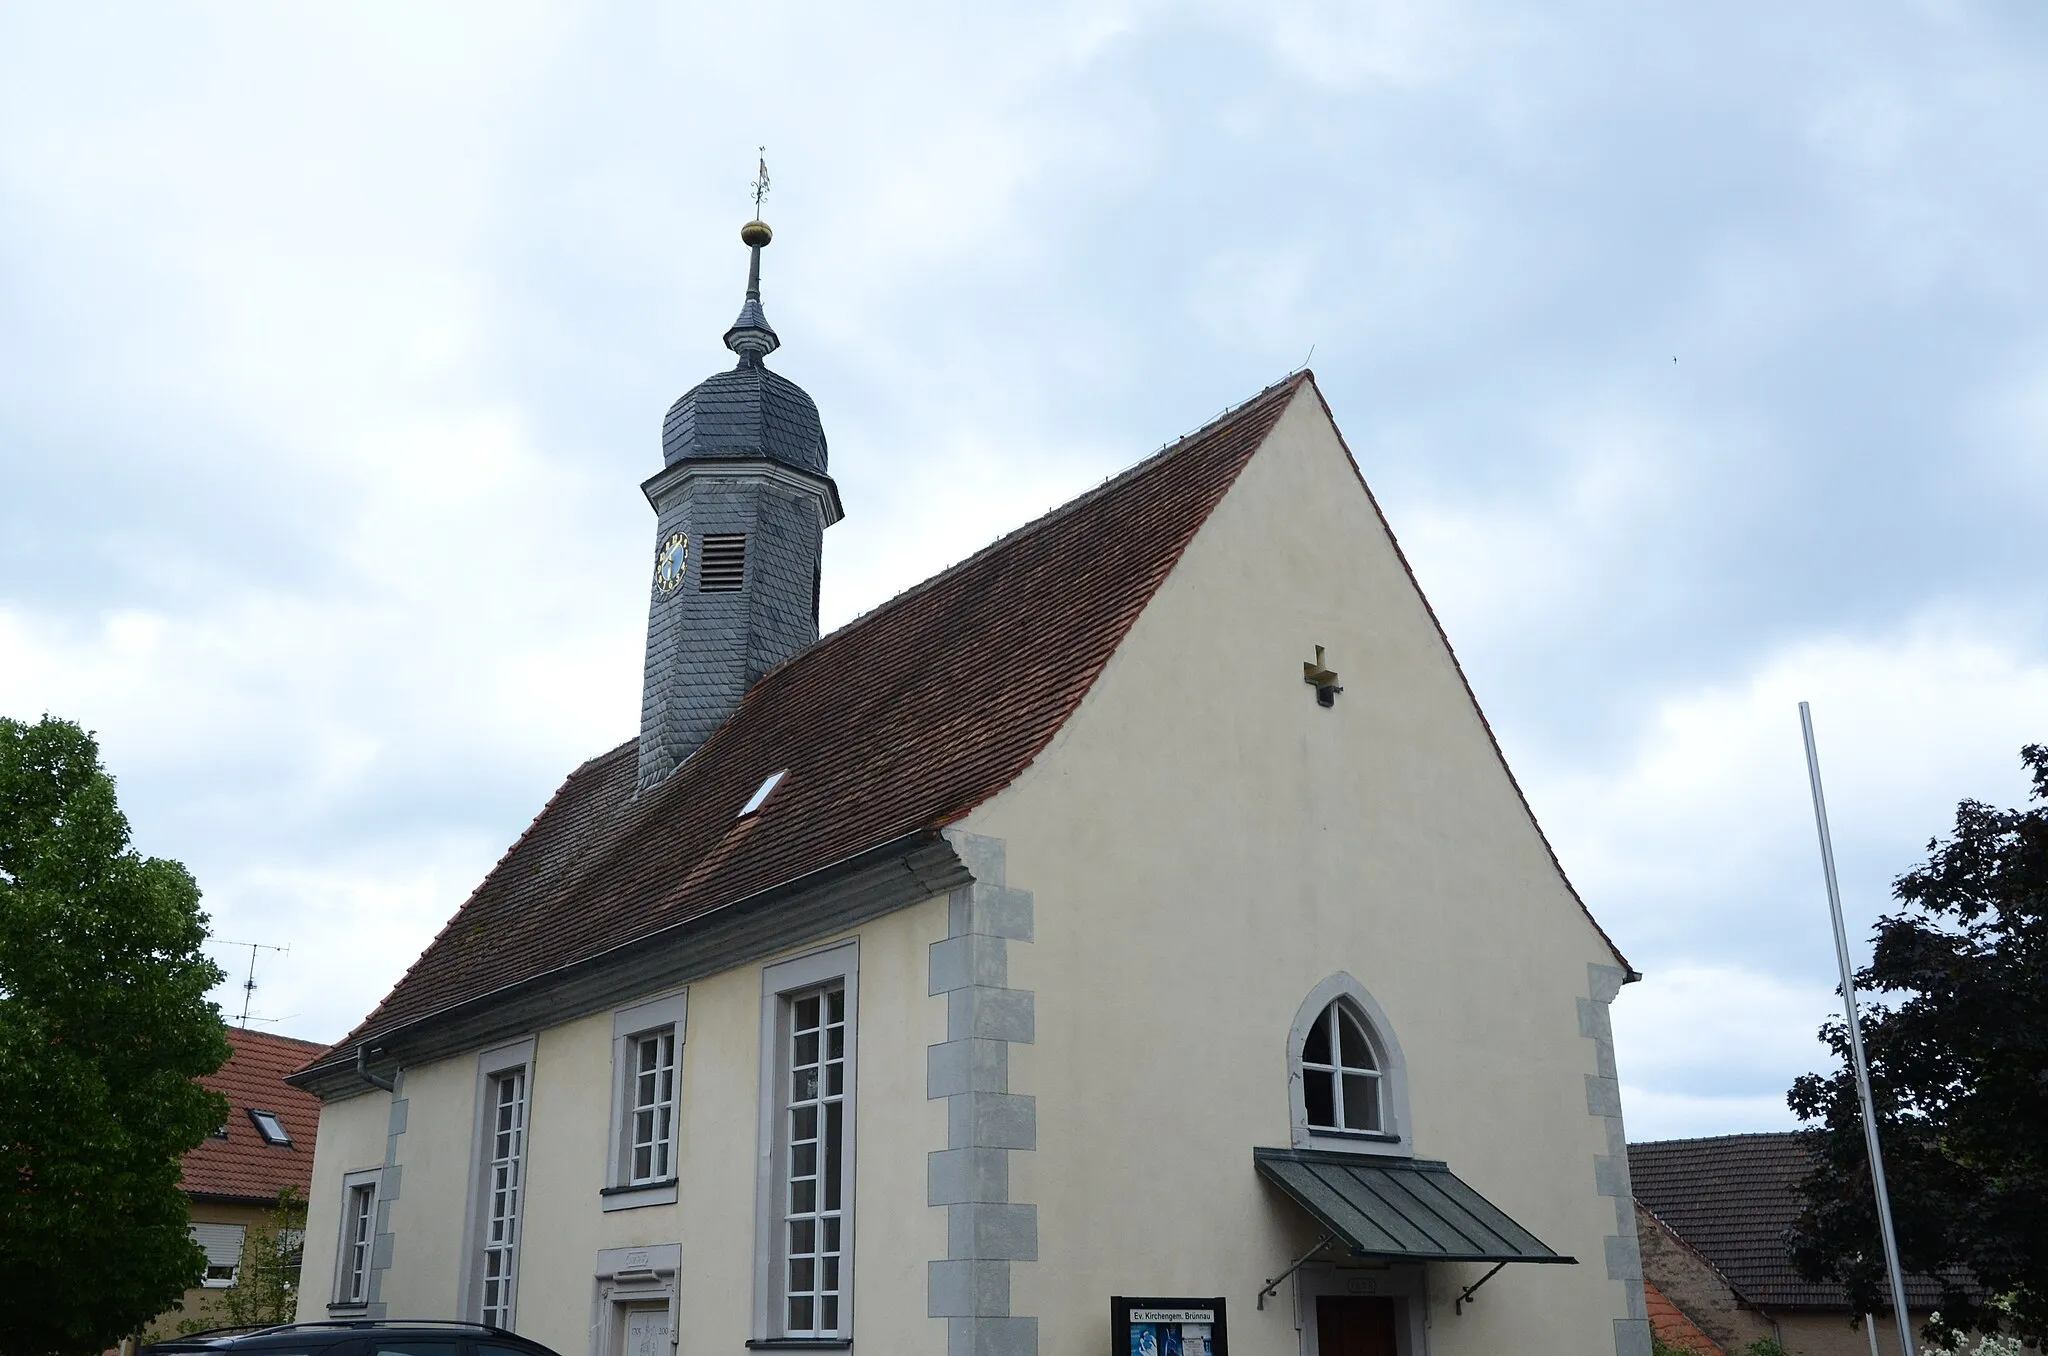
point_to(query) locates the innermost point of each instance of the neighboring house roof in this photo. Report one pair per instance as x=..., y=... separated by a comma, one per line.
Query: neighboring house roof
x=1731, y=1198
x=243, y=1166
x=902, y=721
x=1669, y=1322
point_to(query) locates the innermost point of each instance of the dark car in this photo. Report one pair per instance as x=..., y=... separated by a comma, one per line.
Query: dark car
x=354, y=1337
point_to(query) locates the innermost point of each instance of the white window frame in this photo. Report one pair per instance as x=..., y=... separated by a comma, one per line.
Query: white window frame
x=653, y=1019
x=366, y=1181
x=1350, y=1072
x=1393, y=1137
x=782, y=983
x=493, y=1066
x=240, y=1233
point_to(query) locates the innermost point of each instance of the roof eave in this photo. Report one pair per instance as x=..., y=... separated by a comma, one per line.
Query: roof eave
x=905, y=870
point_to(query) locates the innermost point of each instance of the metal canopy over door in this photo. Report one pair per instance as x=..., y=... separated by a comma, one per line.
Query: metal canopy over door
x=1406, y=1209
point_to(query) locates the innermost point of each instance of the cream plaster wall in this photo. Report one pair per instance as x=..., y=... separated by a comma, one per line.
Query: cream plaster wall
x=713, y=1218
x=351, y=1136
x=1205, y=843
x=434, y=1156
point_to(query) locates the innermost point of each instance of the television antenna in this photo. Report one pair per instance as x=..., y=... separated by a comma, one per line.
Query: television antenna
x=249, y=982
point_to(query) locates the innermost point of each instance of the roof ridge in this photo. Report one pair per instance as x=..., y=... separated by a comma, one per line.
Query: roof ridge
x=1715, y=1139
x=276, y=1036
x=1053, y=514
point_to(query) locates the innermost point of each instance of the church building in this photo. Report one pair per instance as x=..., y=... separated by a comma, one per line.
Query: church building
x=1128, y=940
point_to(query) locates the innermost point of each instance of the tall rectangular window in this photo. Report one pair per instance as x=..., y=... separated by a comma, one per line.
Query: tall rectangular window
x=654, y=1107
x=496, y=1221
x=501, y=1218
x=814, y=1155
x=804, y=1244
x=357, y=1222
x=355, y=1257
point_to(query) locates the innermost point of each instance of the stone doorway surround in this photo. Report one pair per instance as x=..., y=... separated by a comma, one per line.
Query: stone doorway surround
x=631, y=1280
x=1406, y=1285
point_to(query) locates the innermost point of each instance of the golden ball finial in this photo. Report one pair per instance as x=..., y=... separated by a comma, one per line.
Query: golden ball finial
x=756, y=234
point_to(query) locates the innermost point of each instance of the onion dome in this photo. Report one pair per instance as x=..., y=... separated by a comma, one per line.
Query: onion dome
x=748, y=411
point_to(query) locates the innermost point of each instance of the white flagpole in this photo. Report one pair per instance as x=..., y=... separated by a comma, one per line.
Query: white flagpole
x=1884, y=1204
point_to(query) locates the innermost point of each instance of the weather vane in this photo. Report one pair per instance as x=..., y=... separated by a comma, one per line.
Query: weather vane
x=760, y=185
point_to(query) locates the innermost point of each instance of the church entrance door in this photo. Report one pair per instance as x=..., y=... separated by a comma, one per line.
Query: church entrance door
x=1354, y=1325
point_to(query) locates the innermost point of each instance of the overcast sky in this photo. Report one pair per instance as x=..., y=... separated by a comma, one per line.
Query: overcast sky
x=1698, y=354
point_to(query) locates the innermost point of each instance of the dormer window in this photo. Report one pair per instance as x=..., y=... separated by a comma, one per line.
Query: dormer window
x=755, y=801
x=271, y=1128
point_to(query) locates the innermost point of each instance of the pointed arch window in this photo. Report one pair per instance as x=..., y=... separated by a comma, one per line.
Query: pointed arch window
x=1347, y=1080
x=1340, y=1074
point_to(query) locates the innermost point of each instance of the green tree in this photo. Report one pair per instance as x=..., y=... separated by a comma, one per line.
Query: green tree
x=104, y=1025
x=266, y=1288
x=1958, y=1051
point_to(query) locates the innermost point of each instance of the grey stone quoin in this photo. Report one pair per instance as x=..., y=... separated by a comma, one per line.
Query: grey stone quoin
x=986, y=1231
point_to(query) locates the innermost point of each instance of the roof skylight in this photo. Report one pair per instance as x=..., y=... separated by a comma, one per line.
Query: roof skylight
x=761, y=794
x=270, y=1127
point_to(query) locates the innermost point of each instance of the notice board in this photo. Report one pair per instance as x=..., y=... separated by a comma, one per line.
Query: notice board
x=1167, y=1326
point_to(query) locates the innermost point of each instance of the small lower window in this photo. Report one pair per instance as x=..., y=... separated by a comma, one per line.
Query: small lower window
x=654, y=1106
x=647, y=1095
x=223, y=1245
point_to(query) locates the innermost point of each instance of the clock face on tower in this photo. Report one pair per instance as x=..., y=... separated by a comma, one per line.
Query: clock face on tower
x=669, y=562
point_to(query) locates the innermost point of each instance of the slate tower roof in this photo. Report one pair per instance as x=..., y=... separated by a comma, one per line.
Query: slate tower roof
x=747, y=411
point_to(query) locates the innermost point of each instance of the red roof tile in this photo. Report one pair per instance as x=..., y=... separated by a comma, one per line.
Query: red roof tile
x=903, y=720
x=1669, y=1322
x=242, y=1166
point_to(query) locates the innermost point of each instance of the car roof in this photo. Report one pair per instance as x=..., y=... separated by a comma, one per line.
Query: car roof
x=334, y=1332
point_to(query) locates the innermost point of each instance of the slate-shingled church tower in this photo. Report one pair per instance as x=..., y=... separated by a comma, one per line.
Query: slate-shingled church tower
x=741, y=506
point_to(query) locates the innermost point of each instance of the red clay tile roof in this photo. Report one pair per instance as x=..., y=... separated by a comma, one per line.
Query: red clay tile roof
x=242, y=1166
x=1730, y=1197
x=1669, y=1322
x=903, y=720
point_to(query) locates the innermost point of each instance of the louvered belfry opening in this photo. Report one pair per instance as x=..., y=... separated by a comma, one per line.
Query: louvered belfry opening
x=723, y=566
